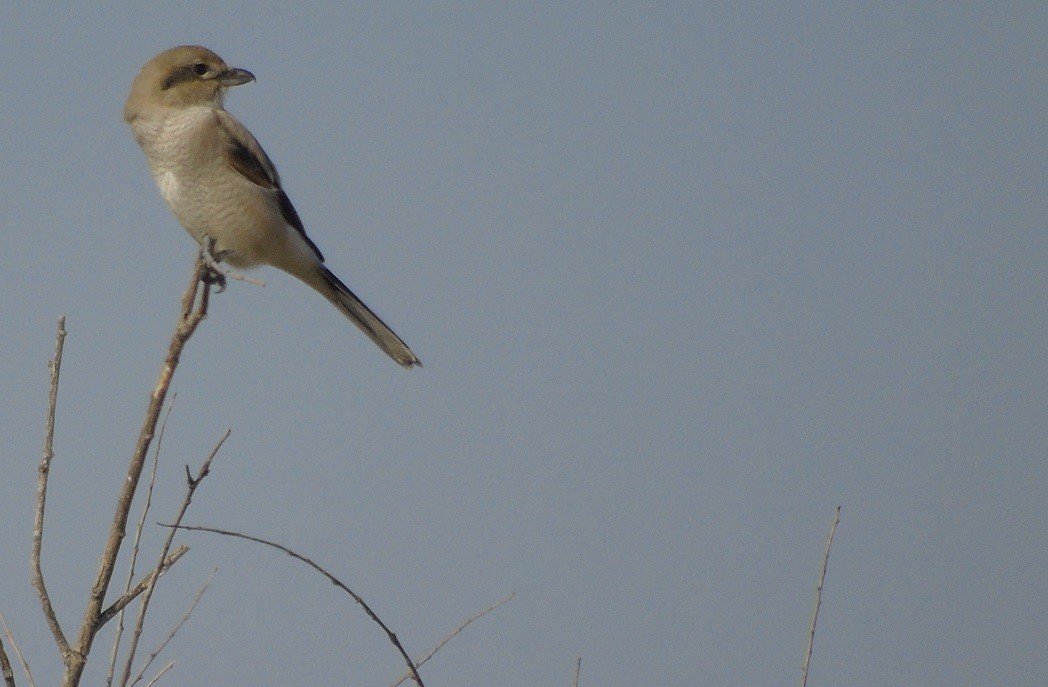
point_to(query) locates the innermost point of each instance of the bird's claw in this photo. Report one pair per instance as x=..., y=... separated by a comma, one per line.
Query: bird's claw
x=214, y=276
x=214, y=273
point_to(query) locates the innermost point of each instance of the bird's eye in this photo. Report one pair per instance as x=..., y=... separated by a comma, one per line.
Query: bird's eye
x=200, y=68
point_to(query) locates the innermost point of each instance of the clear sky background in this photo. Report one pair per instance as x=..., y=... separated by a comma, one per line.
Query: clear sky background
x=684, y=278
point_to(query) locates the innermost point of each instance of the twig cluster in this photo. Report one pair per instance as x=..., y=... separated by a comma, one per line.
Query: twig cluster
x=195, y=302
x=194, y=307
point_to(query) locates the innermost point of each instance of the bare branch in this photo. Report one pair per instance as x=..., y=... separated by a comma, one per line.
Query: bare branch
x=191, y=487
x=195, y=302
x=451, y=635
x=134, y=548
x=818, y=598
x=120, y=604
x=169, y=666
x=334, y=580
x=174, y=631
x=578, y=669
x=5, y=667
x=41, y=495
x=5, y=664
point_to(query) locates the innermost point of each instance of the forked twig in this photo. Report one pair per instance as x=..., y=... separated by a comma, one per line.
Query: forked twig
x=41, y=495
x=173, y=632
x=193, y=310
x=818, y=598
x=136, y=541
x=169, y=666
x=451, y=635
x=191, y=487
x=334, y=580
x=131, y=594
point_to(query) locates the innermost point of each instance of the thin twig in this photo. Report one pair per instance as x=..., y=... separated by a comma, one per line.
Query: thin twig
x=334, y=580
x=5, y=667
x=191, y=487
x=174, y=631
x=578, y=669
x=130, y=595
x=818, y=598
x=195, y=302
x=451, y=635
x=5, y=663
x=139, y=528
x=169, y=666
x=41, y=495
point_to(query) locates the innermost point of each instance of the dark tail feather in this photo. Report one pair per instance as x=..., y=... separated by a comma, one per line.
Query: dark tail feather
x=369, y=323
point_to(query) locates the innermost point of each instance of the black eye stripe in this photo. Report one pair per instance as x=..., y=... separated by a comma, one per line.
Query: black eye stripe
x=189, y=72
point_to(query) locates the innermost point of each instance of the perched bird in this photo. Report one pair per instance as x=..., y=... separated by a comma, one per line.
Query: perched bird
x=221, y=185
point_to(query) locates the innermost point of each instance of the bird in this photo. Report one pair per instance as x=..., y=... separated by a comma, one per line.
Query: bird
x=223, y=188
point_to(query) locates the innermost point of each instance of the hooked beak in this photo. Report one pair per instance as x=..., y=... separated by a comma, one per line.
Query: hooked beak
x=235, y=77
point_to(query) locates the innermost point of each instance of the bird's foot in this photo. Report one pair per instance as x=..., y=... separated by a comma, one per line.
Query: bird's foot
x=214, y=276
x=212, y=255
x=216, y=273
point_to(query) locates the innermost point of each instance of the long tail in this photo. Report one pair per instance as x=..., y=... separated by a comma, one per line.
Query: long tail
x=352, y=307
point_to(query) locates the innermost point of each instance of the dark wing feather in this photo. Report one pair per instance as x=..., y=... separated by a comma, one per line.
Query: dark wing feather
x=250, y=161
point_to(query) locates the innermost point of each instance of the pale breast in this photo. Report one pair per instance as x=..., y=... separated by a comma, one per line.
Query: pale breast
x=183, y=155
x=187, y=156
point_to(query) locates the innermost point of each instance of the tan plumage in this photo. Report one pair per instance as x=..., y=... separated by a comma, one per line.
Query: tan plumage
x=220, y=184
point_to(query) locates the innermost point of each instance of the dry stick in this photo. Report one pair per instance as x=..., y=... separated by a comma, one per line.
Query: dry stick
x=18, y=652
x=191, y=487
x=818, y=598
x=194, y=309
x=5, y=667
x=5, y=664
x=138, y=540
x=171, y=635
x=41, y=495
x=120, y=604
x=334, y=580
x=169, y=666
x=38, y=523
x=578, y=669
x=451, y=635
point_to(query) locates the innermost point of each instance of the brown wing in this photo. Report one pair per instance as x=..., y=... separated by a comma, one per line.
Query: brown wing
x=250, y=161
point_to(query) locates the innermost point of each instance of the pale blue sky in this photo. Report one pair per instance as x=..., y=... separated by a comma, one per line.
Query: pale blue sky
x=683, y=279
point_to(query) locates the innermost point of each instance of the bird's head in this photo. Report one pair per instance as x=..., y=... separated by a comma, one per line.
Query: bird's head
x=186, y=76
